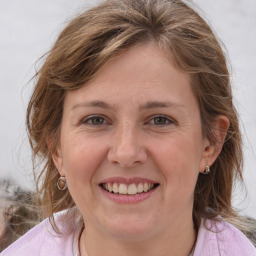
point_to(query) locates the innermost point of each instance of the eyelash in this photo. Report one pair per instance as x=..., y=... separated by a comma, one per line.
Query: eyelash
x=89, y=120
x=167, y=120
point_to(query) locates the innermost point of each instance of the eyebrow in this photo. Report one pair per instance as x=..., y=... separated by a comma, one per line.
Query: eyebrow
x=161, y=104
x=148, y=105
x=95, y=103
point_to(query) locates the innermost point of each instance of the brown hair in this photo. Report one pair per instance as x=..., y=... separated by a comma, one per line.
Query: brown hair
x=90, y=40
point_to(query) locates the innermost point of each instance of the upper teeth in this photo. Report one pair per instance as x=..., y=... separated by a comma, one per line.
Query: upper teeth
x=127, y=189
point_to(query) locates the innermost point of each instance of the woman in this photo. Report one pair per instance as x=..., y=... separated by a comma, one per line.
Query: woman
x=132, y=117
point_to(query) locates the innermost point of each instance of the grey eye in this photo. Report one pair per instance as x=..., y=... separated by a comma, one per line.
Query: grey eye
x=160, y=120
x=97, y=120
x=94, y=120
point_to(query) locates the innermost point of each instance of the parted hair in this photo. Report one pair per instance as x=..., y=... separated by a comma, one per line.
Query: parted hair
x=90, y=41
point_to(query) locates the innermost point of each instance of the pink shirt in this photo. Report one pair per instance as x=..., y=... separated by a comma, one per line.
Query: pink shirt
x=223, y=240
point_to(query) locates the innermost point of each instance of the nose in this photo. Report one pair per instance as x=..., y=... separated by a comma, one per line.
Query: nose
x=127, y=149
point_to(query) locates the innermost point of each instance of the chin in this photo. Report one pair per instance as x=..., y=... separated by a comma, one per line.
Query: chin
x=130, y=229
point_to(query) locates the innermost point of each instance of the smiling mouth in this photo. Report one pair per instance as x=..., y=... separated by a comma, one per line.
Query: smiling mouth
x=128, y=189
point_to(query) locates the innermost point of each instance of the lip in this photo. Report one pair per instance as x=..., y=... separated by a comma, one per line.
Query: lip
x=124, y=180
x=128, y=199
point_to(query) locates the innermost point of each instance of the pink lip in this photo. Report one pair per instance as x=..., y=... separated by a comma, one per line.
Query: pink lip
x=123, y=180
x=128, y=199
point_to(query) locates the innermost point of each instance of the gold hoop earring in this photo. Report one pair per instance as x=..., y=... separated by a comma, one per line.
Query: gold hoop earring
x=207, y=170
x=62, y=183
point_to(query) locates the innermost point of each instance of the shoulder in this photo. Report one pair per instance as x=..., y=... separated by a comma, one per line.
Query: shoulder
x=221, y=238
x=44, y=240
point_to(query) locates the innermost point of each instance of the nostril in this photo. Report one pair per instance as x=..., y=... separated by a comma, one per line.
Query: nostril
x=127, y=157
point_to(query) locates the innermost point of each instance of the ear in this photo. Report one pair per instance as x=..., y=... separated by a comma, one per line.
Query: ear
x=56, y=156
x=211, y=150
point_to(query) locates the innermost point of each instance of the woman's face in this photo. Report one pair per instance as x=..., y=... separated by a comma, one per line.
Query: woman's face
x=134, y=129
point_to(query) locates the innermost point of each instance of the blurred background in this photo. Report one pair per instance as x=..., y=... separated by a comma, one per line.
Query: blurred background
x=29, y=28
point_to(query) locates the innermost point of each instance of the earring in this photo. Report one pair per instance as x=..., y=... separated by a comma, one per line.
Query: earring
x=62, y=183
x=207, y=170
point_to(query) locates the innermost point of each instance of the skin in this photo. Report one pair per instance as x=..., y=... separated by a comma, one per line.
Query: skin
x=134, y=138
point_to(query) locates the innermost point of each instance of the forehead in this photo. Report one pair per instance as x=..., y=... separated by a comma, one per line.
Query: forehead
x=141, y=73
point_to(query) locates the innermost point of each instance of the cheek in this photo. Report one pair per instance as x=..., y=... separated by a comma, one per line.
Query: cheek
x=180, y=174
x=80, y=161
x=179, y=162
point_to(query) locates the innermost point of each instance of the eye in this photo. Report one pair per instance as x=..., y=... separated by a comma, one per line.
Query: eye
x=161, y=120
x=94, y=120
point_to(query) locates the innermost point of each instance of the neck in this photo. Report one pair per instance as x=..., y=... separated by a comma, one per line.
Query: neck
x=178, y=241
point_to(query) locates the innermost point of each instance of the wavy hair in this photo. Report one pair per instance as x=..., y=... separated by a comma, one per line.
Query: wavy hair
x=90, y=41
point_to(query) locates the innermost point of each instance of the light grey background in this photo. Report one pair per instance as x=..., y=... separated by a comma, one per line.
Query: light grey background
x=29, y=28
